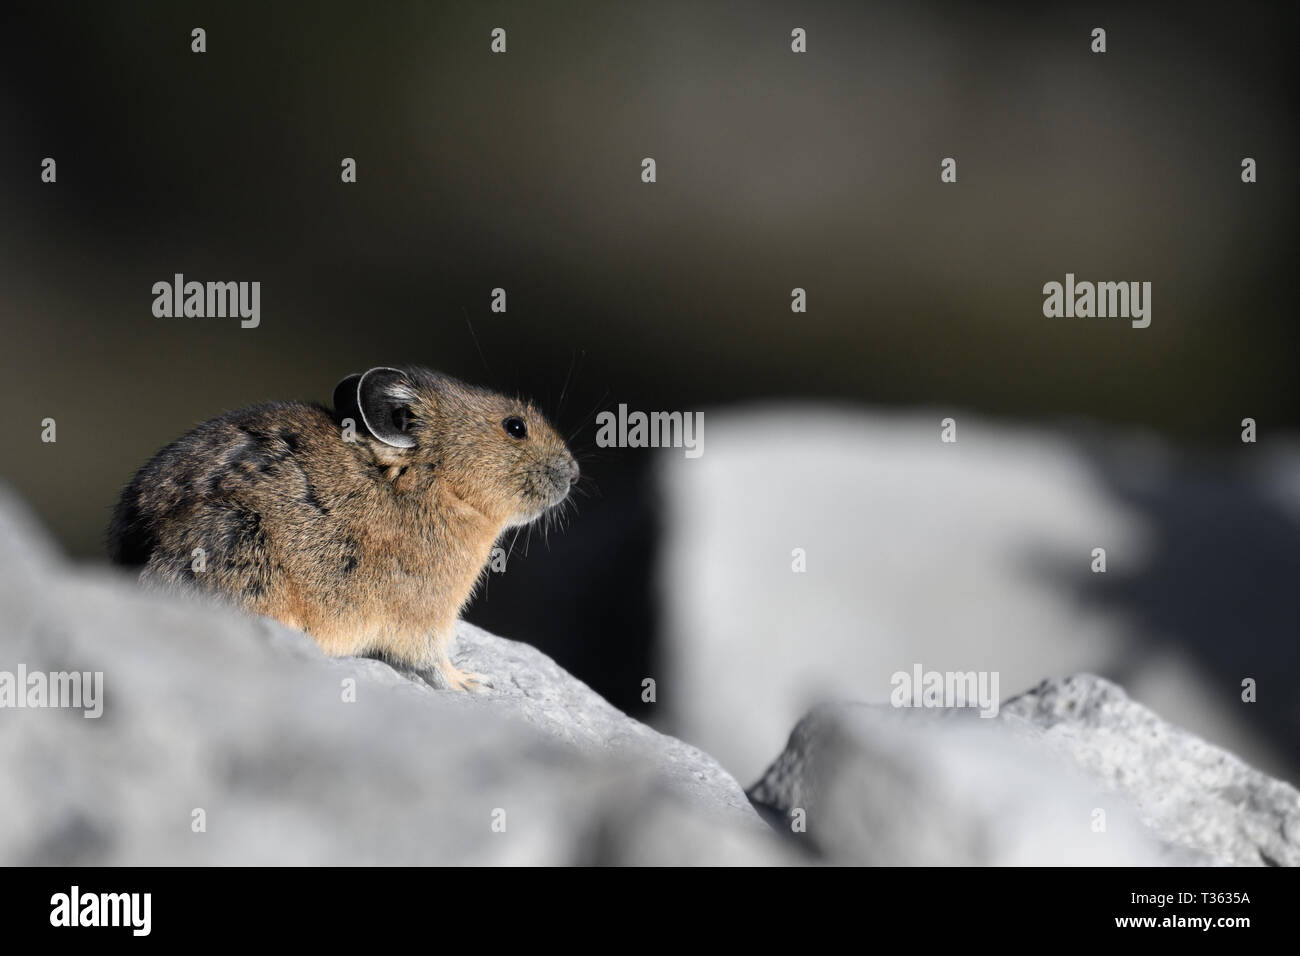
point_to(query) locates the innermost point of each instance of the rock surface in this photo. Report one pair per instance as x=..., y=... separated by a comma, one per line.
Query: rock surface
x=226, y=739
x=1191, y=793
x=244, y=726
x=879, y=785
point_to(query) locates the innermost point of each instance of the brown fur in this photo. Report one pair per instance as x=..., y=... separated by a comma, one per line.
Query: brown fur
x=366, y=547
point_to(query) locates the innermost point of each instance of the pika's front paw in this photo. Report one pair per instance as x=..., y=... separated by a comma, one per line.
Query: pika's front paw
x=462, y=680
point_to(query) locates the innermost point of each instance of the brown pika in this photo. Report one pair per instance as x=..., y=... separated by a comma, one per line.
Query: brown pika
x=367, y=526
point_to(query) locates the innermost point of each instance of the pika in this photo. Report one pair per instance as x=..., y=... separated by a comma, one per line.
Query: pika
x=368, y=525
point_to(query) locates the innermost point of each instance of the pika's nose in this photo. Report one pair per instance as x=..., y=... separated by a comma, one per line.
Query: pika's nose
x=573, y=471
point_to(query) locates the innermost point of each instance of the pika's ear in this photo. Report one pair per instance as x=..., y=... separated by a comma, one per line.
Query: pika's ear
x=345, y=398
x=381, y=400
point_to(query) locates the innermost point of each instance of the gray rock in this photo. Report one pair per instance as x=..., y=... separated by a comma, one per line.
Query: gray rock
x=1191, y=793
x=288, y=757
x=880, y=785
x=529, y=685
x=242, y=723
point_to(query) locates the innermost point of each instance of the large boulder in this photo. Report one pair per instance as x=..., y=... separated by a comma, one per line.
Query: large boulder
x=226, y=739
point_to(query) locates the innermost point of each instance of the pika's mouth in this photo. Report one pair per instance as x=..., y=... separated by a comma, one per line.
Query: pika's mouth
x=558, y=494
x=557, y=481
x=546, y=497
x=546, y=491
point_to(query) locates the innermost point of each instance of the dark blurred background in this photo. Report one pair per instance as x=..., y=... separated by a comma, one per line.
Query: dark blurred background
x=522, y=171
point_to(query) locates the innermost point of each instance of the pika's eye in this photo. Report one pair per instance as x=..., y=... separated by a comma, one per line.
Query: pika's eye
x=515, y=427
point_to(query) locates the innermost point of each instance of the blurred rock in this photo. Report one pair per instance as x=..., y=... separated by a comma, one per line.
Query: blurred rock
x=973, y=556
x=246, y=721
x=885, y=786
